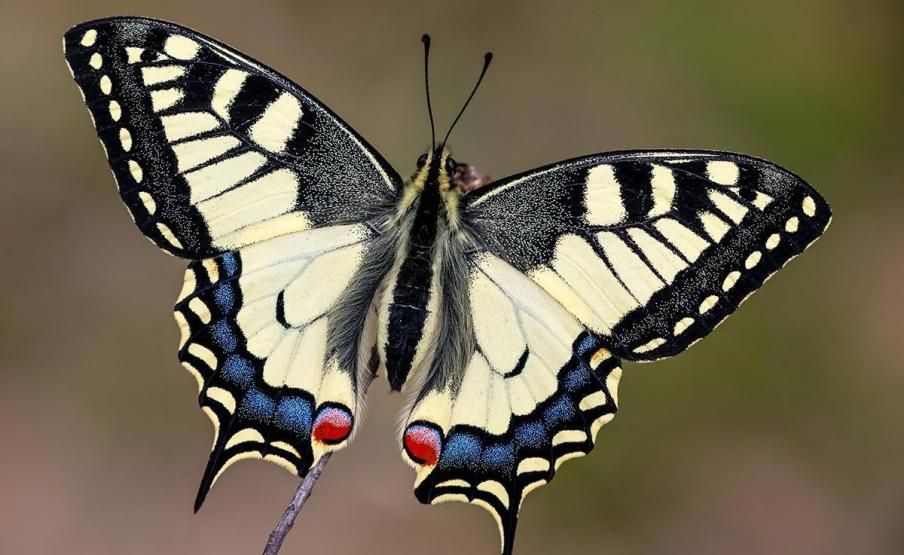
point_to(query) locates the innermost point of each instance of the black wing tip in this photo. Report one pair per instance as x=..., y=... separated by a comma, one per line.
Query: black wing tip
x=823, y=209
x=73, y=36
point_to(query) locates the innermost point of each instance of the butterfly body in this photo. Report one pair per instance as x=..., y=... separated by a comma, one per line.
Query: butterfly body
x=502, y=313
x=425, y=225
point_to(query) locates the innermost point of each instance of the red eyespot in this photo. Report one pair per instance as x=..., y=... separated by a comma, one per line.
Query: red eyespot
x=423, y=444
x=332, y=425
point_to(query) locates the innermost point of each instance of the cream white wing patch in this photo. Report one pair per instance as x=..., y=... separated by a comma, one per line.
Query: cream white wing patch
x=229, y=151
x=536, y=390
x=259, y=334
x=650, y=250
x=277, y=125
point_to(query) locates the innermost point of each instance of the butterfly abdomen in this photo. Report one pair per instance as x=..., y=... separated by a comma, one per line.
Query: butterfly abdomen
x=413, y=289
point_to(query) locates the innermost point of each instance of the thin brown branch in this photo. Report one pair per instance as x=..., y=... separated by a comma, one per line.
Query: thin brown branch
x=305, y=488
x=466, y=178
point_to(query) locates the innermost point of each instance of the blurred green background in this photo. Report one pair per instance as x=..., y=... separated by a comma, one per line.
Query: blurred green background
x=780, y=434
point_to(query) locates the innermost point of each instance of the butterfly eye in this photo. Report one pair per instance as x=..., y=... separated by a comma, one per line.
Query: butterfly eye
x=422, y=160
x=451, y=166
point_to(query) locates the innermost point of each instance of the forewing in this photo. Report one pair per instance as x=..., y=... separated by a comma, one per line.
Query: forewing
x=211, y=150
x=279, y=336
x=535, y=392
x=649, y=250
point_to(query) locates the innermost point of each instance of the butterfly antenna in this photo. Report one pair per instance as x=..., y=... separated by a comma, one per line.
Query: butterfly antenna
x=487, y=58
x=426, y=40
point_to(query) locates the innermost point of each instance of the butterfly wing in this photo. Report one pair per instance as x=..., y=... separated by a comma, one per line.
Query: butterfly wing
x=280, y=336
x=211, y=150
x=626, y=255
x=649, y=250
x=536, y=389
x=222, y=160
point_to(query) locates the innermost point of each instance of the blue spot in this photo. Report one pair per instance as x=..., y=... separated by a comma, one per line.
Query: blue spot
x=224, y=297
x=461, y=450
x=238, y=371
x=499, y=457
x=294, y=414
x=577, y=379
x=531, y=434
x=559, y=412
x=586, y=345
x=257, y=405
x=224, y=337
x=230, y=264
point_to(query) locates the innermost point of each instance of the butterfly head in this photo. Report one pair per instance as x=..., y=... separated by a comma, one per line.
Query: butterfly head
x=436, y=166
x=432, y=185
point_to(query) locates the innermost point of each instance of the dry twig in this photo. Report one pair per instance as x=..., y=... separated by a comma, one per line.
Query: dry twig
x=278, y=535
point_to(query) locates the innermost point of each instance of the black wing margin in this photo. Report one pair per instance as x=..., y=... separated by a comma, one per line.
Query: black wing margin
x=649, y=249
x=212, y=150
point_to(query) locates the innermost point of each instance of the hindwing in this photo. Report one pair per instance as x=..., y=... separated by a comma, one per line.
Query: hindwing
x=536, y=389
x=279, y=336
x=649, y=250
x=212, y=150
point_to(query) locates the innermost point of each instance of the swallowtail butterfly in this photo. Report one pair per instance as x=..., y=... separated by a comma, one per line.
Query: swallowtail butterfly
x=503, y=312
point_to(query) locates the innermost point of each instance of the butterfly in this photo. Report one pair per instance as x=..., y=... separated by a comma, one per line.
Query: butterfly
x=502, y=313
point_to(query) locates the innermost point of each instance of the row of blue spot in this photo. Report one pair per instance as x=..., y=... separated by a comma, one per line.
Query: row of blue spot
x=292, y=413
x=466, y=449
x=289, y=412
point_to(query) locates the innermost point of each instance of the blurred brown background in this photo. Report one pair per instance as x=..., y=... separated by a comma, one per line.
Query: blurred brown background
x=780, y=434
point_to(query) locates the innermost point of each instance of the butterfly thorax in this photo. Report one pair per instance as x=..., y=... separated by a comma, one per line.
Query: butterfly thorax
x=410, y=306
